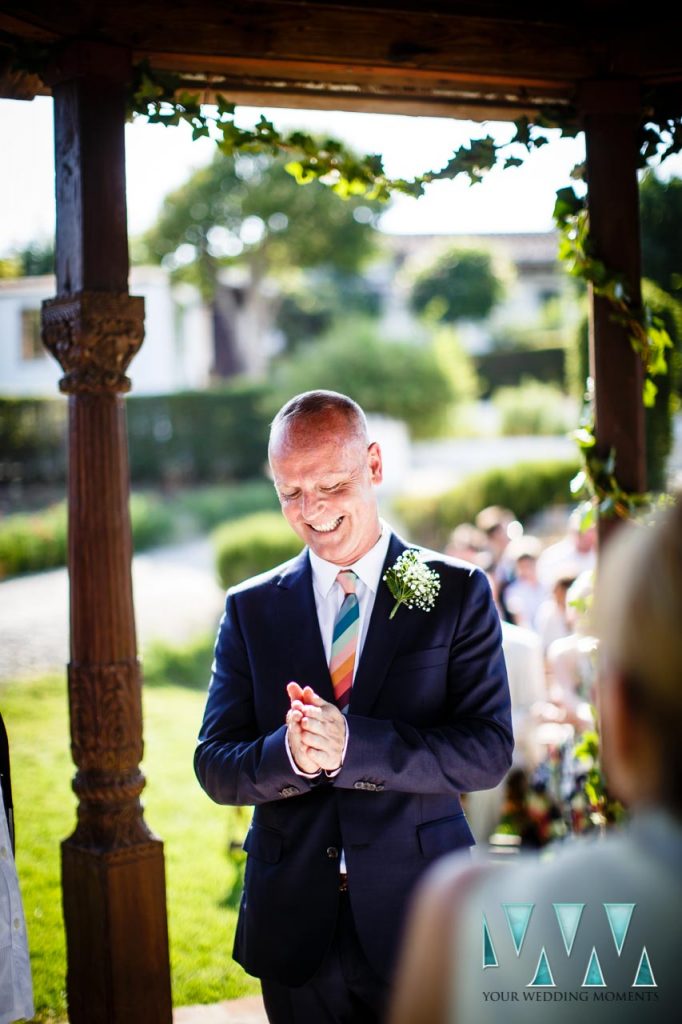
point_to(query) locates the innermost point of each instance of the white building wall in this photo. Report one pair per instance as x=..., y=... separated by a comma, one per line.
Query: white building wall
x=176, y=352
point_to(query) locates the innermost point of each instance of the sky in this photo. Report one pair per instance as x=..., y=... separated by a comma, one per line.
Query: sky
x=159, y=159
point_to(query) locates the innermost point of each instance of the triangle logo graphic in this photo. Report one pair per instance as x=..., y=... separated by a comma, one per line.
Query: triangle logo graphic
x=543, y=975
x=568, y=915
x=518, y=916
x=593, y=975
x=645, y=976
x=489, y=955
x=619, y=915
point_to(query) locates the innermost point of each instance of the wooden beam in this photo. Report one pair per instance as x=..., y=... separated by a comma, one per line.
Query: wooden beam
x=611, y=113
x=112, y=866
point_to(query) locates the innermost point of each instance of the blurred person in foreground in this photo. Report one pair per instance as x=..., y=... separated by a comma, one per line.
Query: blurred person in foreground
x=594, y=933
x=16, y=986
x=352, y=722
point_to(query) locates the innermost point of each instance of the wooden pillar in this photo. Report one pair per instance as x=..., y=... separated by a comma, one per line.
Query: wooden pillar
x=611, y=111
x=112, y=866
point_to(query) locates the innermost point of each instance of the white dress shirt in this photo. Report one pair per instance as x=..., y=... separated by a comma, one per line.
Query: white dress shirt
x=329, y=597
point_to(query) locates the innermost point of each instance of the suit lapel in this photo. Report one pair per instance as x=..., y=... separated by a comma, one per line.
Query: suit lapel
x=298, y=627
x=381, y=641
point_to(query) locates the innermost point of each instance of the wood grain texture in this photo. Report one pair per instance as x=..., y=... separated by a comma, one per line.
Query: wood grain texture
x=112, y=866
x=611, y=114
x=301, y=48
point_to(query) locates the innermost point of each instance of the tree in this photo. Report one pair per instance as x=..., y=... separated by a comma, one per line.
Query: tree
x=660, y=206
x=33, y=260
x=415, y=383
x=460, y=284
x=249, y=213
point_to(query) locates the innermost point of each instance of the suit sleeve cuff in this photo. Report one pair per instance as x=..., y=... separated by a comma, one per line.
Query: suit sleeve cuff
x=332, y=775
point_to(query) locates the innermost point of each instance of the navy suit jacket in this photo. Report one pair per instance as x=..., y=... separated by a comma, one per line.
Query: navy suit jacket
x=429, y=718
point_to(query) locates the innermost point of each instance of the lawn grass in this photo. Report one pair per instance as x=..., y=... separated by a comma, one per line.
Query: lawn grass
x=203, y=879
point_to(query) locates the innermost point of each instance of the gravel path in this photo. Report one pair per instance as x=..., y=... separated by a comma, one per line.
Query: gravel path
x=176, y=598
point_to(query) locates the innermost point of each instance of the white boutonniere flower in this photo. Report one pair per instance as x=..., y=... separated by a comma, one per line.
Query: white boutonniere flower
x=411, y=582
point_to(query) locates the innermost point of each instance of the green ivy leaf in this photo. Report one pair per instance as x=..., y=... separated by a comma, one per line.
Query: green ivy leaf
x=649, y=392
x=584, y=437
x=578, y=482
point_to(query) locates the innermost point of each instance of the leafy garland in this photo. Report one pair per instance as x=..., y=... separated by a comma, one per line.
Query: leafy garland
x=159, y=97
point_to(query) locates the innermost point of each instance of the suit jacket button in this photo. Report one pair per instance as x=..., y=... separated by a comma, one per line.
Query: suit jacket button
x=288, y=791
x=332, y=853
x=379, y=787
x=358, y=785
x=371, y=787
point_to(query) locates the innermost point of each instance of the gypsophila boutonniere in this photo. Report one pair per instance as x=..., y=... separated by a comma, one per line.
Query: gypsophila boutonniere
x=411, y=582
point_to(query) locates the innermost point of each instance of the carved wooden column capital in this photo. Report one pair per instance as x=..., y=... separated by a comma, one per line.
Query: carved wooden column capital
x=93, y=336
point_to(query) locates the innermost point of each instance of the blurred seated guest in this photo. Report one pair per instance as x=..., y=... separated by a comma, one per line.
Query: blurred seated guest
x=499, y=525
x=571, y=659
x=469, y=543
x=552, y=620
x=525, y=670
x=574, y=554
x=525, y=594
x=614, y=905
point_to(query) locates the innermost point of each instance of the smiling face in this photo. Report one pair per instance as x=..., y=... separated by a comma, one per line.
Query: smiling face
x=325, y=474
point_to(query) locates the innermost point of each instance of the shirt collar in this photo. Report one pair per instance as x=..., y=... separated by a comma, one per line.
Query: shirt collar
x=368, y=568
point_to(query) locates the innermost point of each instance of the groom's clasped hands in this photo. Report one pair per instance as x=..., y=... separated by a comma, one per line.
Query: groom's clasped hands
x=316, y=730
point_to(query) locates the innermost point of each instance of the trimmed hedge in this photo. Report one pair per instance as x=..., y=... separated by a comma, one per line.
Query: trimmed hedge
x=526, y=488
x=191, y=436
x=252, y=545
x=33, y=440
x=195, y=436
x=506, y=369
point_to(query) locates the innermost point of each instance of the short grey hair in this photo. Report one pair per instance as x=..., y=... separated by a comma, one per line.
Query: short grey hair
x=311, y=405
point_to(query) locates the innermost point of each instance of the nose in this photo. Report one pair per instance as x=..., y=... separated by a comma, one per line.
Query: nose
x=311, y=506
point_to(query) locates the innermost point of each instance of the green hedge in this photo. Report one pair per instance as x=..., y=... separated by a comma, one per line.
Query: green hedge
x=191, y=436
x=253, y=544
x=197, y=436
x=33, y=440
x=35, y=541
x=526, y=488
x=506, y=369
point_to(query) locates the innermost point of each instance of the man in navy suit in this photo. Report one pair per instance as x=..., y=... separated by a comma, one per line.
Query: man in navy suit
x=351, y=807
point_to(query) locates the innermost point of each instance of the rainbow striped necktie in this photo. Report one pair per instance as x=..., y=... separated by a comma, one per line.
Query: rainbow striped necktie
x=345, y=640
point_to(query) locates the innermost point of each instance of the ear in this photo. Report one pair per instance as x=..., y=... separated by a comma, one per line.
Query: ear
x=619, y=738
x=374, y=462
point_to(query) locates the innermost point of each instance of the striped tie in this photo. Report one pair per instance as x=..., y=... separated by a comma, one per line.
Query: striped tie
x=345, y=640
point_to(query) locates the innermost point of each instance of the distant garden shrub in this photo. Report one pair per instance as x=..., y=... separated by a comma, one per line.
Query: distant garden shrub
x=526, y=488
x=533, y=408
x=248, y=546
x=206, y=507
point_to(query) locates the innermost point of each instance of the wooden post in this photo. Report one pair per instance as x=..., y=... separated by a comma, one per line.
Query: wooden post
x=112, y=866
x=611, y=114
